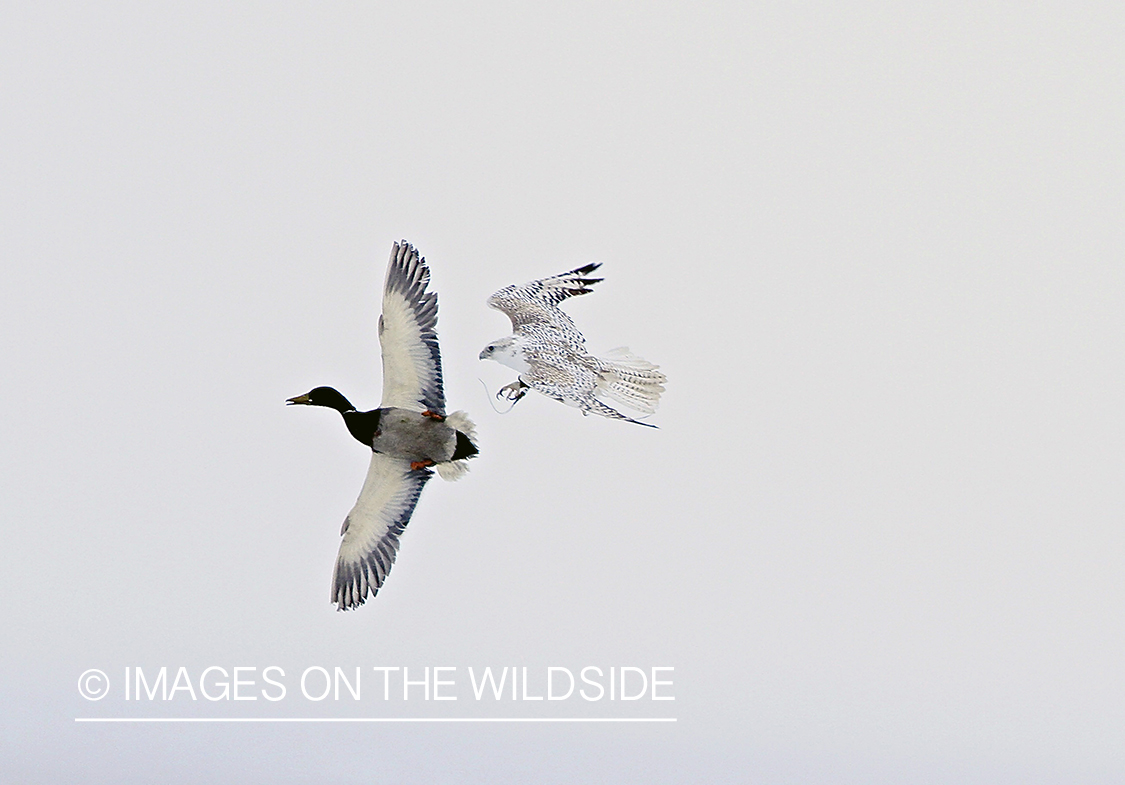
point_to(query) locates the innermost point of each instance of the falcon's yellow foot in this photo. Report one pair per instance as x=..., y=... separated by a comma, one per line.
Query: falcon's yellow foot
x=416, y=465
x=513, y=392
x=433, y=415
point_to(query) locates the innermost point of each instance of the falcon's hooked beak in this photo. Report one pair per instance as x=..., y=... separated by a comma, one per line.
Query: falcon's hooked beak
x=299, y=399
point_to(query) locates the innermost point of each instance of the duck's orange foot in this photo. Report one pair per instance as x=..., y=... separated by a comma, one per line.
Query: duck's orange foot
x=416, y=465
x=433, y=415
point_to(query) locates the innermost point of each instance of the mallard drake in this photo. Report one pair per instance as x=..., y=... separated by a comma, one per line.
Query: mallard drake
x=408, y=434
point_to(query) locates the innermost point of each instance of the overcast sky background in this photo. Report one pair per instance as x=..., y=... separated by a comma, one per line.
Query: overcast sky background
x=877, y=250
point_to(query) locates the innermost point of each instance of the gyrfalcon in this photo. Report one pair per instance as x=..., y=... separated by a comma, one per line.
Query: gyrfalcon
x=550, y=354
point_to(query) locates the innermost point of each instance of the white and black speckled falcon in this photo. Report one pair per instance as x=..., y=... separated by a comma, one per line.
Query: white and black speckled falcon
x=408, y=433
x=550, y=354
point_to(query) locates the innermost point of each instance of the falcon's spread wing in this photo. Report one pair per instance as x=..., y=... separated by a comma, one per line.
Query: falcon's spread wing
x=533, y=307
x=408, y=335
x=372, y=528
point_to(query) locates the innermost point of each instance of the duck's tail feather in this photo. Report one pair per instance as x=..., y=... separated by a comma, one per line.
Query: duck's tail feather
x=466, y=447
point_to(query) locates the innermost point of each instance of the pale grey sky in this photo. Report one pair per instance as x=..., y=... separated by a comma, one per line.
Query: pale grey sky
x=877, y=250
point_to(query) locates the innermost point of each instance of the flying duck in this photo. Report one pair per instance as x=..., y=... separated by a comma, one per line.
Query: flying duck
x=408, y=434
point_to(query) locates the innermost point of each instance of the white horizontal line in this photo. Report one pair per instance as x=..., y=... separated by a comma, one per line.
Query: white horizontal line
x=374, y=719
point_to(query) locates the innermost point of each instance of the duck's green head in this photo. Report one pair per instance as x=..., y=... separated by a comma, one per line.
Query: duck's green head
x=323, y=396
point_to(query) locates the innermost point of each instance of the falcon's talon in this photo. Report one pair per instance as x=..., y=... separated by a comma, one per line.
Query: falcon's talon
x=433, y=415
x=416, y=465
x=513, y=392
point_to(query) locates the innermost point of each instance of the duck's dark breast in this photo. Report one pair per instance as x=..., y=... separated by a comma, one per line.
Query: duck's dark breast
x=362, y=425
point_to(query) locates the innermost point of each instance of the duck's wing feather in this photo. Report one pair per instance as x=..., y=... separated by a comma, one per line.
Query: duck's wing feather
x=408, y=335
x=372, y=529
x=533, y=307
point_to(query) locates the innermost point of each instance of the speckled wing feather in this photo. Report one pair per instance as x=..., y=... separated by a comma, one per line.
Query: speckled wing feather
x=533, y=307
x=408, y=335
x=372, y=529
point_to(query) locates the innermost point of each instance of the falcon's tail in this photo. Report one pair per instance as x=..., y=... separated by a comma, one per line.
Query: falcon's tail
x=466, y=447
x=631, y=380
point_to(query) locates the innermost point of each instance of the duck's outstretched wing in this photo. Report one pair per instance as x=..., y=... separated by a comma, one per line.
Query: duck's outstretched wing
x=408, y=335
x=533, y=307
x=372, y=529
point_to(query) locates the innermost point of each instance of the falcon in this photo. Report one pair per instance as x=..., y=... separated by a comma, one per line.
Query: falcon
x=409, y=432
x=550, y=353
